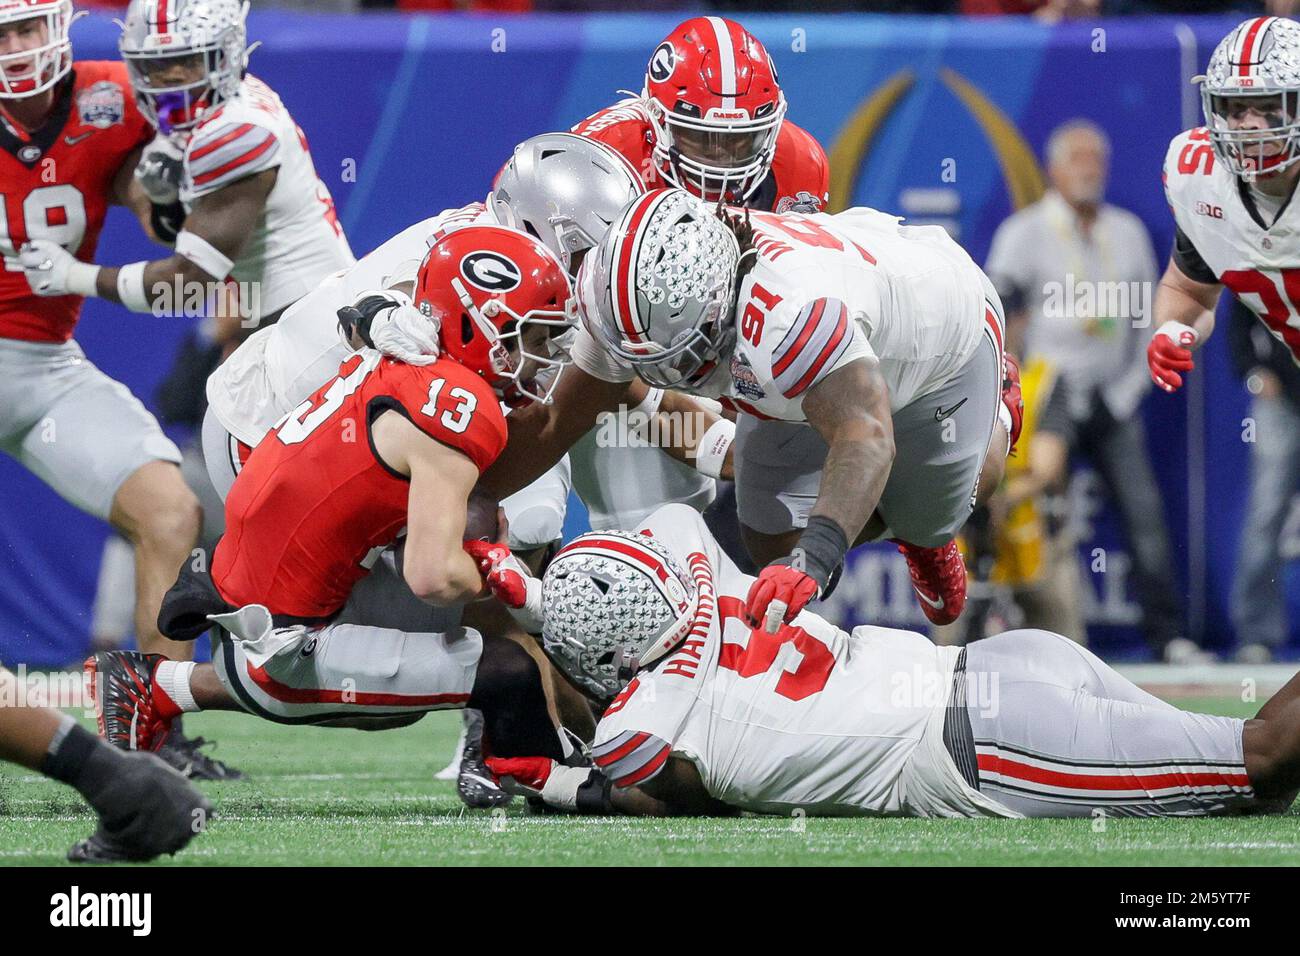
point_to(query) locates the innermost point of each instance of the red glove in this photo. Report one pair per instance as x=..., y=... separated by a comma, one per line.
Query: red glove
x=529, y=772
x=778, y=594
x=505, y=575
x=1170, y=353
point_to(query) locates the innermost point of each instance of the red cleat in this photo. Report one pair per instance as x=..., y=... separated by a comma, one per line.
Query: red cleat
x=939, y=580
x=1013, y=400
x=121, y=686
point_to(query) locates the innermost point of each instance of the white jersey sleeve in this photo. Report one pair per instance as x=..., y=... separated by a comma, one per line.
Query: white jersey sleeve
x=830, y=290
x=279, y=366
x=298, y=239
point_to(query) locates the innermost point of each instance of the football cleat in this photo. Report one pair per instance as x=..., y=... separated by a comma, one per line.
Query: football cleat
x=939, y=580
x=1013, y=400
x=184, y=754
x=121, y=687
x=477, y=787
x=151, y=810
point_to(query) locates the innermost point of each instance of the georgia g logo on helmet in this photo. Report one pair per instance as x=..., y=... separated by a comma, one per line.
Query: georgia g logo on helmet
x=490, y=271
x=662, y=62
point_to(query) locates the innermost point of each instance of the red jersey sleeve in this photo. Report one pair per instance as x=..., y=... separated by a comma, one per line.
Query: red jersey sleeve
x=803, y=174
x=453, y=406
x=625, y=129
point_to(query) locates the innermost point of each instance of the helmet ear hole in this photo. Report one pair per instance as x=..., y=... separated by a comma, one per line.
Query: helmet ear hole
x=466, y=329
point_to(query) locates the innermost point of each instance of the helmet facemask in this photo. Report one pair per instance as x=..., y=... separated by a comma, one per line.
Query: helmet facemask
x=528, y=353
x=177, y=78
x=50, y=61
x=1256, y=152
x=713, y=157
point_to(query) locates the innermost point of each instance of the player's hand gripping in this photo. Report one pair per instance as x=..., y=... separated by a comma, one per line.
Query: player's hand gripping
x=558, y=786
x=47, y=265
x=778, y=594
x=509, y=580
x=159, y=170
x=1170, y=353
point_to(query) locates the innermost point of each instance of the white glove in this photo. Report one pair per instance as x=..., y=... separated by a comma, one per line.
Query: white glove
x=52, y=270
x=159, y=170
x=386, y=320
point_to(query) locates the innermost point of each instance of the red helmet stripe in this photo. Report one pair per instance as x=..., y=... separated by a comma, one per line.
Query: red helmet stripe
x=1248, y=43
x=161, y=19
x=622, y=280
x=726, y=60
x=626, y=548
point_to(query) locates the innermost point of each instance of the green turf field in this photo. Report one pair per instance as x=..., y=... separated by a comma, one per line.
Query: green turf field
x=341, y=797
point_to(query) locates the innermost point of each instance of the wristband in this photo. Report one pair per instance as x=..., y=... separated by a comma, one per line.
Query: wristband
x=823, y=546
x=130, y=287
x=529, y=617
x=203, y=254
x=1174, y=332
x=711, y=452
x=82, y=279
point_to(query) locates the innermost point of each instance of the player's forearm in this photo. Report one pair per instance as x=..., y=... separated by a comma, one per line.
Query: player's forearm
x=442, y=576
x=691, y=431
x=154, y=284
x=854, y=476
x=539, y=435
x=1180, y=300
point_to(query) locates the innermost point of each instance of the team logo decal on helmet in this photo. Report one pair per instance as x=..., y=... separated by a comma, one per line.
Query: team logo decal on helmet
x=663, y=62
x=501, y=300
x=490, y=271
x=1251, y=97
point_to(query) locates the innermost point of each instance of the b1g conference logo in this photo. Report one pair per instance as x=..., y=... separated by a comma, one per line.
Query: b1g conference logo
x=490, y=271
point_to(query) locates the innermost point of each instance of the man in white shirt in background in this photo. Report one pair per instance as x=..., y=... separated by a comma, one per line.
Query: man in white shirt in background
x=1077, y=275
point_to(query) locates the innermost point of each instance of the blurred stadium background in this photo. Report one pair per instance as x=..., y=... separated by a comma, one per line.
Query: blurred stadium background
x=932, y=113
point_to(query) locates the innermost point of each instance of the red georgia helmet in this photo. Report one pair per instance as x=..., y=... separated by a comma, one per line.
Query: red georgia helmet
x=715, y=108
x=488, y=286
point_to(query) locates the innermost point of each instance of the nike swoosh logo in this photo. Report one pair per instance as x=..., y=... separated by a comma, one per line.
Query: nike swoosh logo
x=936, y=604
x=74, y=140
x=941, y=413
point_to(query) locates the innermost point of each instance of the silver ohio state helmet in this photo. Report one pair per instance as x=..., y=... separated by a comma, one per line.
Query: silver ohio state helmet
x=48, y=61
x=565, y=190
x=613, y=602
x=185, y=57
x=1259, y=61
x=657, y=292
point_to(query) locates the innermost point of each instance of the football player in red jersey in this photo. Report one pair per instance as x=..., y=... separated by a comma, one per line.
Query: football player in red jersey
x=711, y=119
x=70, y=137
x=384, y=446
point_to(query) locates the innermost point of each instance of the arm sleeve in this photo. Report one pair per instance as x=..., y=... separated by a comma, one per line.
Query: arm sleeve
x=227, y=152
x=1189, y=261
x=631, y=757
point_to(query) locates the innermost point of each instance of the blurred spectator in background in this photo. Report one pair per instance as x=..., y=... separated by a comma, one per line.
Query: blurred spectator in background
x=1265, y=365
x=1077, y=276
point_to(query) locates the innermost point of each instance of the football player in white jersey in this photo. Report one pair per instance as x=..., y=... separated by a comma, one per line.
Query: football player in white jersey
x=865, y=358
x=242, y=200
x=710, y=715
x=1230, y=184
